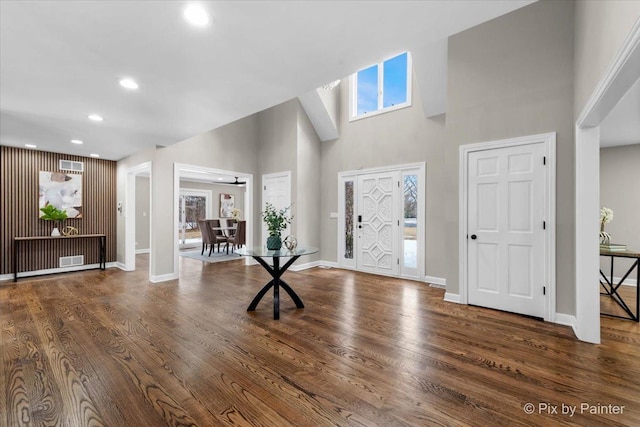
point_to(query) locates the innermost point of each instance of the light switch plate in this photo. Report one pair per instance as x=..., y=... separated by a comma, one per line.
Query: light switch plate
x=333, y=215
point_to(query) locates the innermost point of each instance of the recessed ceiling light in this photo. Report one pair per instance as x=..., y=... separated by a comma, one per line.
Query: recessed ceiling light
x=220, y=179
x=128, y=83
x=30, y=146
x=95, y=117
x=196, y=15
x=76, y=141
x=94, y=155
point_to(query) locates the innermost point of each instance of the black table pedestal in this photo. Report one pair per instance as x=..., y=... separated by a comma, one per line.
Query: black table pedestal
x=276, y=272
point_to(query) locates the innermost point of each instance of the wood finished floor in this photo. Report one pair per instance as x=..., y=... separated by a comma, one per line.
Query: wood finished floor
x=109, y=348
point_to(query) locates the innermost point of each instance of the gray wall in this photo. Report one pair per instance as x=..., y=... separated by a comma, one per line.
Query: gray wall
x=231, y=147
x=400, y=137
x=143, y=215
x=308, y=210
x=601, y=27
x=620, y=191
x=510, y=77
x=216, y=190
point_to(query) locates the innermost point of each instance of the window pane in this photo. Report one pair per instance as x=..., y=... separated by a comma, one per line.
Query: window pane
x=410, y=238
x=368, y=90
x=348, y=219
x=394, y=84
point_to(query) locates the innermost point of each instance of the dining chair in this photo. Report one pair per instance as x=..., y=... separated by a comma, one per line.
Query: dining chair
x=207, y=236
x=218, y=235
x=239, y=237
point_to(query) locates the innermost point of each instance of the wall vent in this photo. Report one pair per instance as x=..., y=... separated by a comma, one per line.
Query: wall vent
x=70, y=165
x=71, y=261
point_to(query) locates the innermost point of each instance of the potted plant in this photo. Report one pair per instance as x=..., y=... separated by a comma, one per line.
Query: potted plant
x=51, y=213
x=277, y=221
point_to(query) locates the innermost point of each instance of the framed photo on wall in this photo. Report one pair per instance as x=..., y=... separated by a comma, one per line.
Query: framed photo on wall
x=227, y=204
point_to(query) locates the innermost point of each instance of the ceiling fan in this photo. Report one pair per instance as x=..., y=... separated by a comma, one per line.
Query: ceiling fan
x=236, y=182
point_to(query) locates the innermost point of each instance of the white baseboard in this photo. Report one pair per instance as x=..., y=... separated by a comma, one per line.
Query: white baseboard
x=329, y=264
x=143, y=251
x=312, y=264
x=436, y=282
x=565, y=319
x=55, y=270
x=449, y=297
x=305, y=266
x=163, y=277
x=627, y=282
x=121, y=266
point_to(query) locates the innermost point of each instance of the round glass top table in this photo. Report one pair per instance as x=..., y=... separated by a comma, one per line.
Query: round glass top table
x=276, y=271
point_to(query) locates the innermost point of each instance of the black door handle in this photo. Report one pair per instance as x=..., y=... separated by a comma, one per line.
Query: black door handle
x=474, y=237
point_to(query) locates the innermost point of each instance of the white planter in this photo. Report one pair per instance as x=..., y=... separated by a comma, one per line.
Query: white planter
x=55, y=231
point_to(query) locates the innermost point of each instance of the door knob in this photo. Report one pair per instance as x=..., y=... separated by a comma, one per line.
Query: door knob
x=474, y=237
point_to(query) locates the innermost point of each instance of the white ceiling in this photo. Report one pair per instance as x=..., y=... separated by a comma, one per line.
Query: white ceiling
x=622, y=124
x=61, y=61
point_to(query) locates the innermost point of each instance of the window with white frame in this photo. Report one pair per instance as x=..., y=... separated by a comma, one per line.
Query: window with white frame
x=382, y=87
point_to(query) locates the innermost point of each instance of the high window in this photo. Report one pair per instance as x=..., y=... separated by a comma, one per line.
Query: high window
x=382, y=87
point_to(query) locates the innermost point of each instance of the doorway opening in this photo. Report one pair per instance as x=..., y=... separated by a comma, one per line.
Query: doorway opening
x=206, y=193
x=138, y=216
x=616, y=82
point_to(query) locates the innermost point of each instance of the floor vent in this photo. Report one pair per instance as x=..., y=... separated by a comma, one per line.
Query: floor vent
x=70, y=261
x=69, y=165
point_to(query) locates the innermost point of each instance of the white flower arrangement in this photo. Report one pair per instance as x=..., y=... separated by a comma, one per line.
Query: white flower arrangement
x=606, y=215
x=235, y=214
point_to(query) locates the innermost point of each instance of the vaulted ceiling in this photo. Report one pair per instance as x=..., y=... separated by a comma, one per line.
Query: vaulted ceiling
x=61, y=61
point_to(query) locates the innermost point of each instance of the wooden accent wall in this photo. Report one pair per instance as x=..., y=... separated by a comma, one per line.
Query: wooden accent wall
x=19, y=187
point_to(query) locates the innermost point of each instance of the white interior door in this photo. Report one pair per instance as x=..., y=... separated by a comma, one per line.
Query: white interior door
x=506, y=235
x=378, y=222
x=276, y=189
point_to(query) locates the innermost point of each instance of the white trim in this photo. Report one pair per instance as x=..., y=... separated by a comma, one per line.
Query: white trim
x=56, y=270
x=163, y=277
x=121, y=266
x=143, y=251
x=565, y=319
x=627, y=282
x=420, y=169
x=616, y=81
x=438, y=281
x=455, y=298
x=390, y=168
x=329, y=264
x=248, y=211
x=208, y=209
x=305, y=266
x=130, y=215
x=353, y=90
x=549, y=141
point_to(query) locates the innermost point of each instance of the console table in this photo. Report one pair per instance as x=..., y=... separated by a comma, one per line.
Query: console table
x=102, y=247
x=611, y=288
x=276, y=272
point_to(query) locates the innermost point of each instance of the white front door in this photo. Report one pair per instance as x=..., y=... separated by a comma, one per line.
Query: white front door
x=506, y=229
x=378, y=222
x=276, y=189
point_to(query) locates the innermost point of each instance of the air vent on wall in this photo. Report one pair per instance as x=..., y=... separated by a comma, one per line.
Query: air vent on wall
x=70, y=261
x=69, y=165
